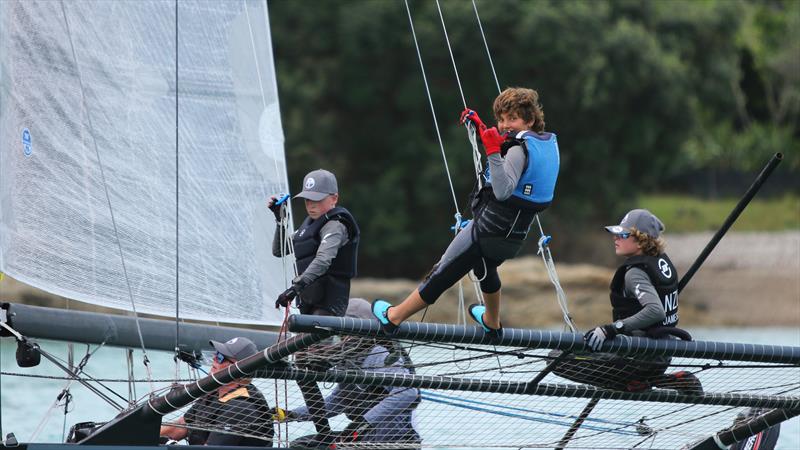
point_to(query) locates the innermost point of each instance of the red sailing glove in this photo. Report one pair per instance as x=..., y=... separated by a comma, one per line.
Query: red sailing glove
x=492, y=140
x=472, y=116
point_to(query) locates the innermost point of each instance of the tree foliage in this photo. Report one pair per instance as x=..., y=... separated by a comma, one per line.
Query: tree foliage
x=637, y=91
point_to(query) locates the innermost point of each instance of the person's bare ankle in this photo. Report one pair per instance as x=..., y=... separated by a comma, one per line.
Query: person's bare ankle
x=493, y=324
x=391, y=316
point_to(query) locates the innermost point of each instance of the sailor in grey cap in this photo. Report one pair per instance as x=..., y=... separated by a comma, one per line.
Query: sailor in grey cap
x=639, y=219
x=236, y=349
x=644, y=290
x=325, y=247
x=377, y=414
x=226, y=416
x=644, y=302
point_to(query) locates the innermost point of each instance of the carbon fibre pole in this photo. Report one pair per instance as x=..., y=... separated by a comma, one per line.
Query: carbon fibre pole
x=517, y=337
x=737, y=433
x=140, y=426
x=751, y=192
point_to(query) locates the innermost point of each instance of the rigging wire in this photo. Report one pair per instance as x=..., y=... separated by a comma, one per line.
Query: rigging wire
x=84, y=105
x=450, y=49
x=430, y=103
x=544, y=249
x=486, y=45
x=175, y=357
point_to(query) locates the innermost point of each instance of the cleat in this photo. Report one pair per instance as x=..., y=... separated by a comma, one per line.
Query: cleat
x=380, y=309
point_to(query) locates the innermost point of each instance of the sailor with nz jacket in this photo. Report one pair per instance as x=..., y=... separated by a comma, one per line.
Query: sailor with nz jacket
x=325, y=248
x=644, y=290
x=644, y=302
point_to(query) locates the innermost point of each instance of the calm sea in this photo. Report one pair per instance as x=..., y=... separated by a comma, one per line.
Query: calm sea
x=25, y=402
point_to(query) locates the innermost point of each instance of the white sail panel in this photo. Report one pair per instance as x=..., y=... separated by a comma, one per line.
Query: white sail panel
x=123, y=183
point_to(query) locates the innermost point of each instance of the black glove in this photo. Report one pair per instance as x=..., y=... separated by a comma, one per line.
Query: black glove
x=286, y=297
x=277, y=210
x=354, y=431
x=597, y=336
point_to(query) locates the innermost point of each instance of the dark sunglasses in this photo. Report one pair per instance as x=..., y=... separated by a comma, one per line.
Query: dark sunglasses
x=624, y=234
x=219, y=357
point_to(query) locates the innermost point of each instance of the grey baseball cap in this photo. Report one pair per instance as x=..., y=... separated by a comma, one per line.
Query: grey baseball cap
x=358, y=308
x=237, y=348
x=641, y=219
x=318, y=184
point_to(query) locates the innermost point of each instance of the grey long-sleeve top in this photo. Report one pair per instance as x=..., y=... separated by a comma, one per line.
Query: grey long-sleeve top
x=334, y=236
x=506, y=171
x=638, y=284
x=391, y=417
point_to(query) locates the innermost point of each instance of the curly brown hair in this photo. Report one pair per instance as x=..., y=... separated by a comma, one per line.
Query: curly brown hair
x=650, y=246
x=522, y=102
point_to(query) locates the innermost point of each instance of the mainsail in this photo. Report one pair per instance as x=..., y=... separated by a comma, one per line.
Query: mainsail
x=138, y=144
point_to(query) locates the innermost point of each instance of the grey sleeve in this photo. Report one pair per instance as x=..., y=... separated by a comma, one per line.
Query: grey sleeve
x=334, y=236
x=506, y=171
x=399, y=399
x=638, y=284
x=276, y=243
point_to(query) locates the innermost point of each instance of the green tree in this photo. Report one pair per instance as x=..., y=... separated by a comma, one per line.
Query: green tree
x=637, y=91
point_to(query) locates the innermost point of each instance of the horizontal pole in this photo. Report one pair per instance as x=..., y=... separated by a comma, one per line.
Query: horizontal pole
x=372, y=378
x=516, y=337
x=181, y=395
x=740, y=432
x=120, y=331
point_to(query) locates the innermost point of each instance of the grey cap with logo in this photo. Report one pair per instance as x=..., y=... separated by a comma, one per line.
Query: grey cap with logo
x=318, y=184
x=237, y=348
x=641, y=219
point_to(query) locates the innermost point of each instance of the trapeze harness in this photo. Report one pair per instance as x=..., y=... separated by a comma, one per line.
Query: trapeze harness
x=510, y=219
x=335, y=284
x=664, y=277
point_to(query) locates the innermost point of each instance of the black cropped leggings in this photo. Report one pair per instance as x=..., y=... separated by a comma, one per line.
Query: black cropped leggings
x=462, y=255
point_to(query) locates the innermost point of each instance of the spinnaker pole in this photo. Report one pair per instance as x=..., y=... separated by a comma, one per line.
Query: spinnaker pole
x=737, y=433
x=751, y=192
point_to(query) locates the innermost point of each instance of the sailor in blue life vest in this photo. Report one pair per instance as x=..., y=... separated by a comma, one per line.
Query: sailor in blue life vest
x=644, y=302
x=380, y=415
x=520, y=179
x=325, y=248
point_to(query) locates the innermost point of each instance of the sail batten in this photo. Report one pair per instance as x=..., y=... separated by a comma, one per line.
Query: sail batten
x=95, y=80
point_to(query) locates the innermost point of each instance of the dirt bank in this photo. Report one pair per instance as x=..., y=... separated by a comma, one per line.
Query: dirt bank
x=751, y=279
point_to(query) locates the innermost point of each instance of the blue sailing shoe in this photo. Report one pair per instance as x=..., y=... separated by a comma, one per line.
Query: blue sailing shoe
x=380, y=309
x=476, y=311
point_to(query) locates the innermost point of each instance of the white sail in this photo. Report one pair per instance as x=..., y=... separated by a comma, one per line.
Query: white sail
x=101, y=199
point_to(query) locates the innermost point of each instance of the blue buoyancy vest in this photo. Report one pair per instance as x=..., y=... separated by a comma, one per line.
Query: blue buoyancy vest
x=538, y=180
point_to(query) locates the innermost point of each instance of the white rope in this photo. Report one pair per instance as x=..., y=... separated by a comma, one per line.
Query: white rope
x=547, y=258
x=85, y=109
x=544, y=250
x=486, y=45
x=430, y=102
x=450, y=49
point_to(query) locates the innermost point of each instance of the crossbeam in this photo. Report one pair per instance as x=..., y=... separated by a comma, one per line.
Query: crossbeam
x=516, y=337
